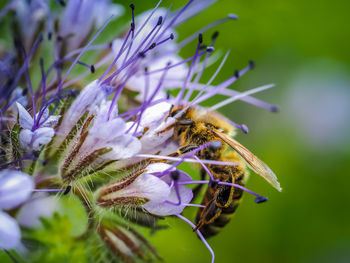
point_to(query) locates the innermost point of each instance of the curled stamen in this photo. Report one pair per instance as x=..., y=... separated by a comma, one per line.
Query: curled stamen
x=213, y=183
x=200, y=236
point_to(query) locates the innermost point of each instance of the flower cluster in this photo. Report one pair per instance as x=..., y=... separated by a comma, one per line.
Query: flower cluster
x=115, y=142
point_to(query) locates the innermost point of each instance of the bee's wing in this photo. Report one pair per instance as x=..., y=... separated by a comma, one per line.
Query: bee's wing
x=256, y=164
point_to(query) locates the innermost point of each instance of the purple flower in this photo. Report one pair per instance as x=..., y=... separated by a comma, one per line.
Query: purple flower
x=79, y=17
x=156, y=193
x=15, y=189
x=33, y=139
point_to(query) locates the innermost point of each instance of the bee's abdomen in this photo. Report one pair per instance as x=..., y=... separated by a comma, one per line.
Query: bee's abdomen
x=227, y=213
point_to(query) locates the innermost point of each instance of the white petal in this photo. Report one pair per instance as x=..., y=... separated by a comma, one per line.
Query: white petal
x=154, y=114
x=15, y=188
x=25, y=120
x=152, y=141
x=25, y=139
x=90, y=99
x=42, y=136
x=105, y=9
x=10, y=234
x=134, y=127
x=40, y=206
x=108, y=130
x=124, y=147
x=51, y=121
x=157, y=167
x=146, y=186
x=166, y=209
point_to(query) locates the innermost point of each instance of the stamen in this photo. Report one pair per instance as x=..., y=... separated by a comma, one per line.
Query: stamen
x=213, y=183
x=206, y=28
x=188, y=160
x=243, y=94
x=204, y=167
x=82, y=52
x=48, y=190
x=200, y=236
x=178, y=64
x=67, y=190
x=189, y=74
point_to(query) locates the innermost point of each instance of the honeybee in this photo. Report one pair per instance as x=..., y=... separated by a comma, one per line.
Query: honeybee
x=195, y=126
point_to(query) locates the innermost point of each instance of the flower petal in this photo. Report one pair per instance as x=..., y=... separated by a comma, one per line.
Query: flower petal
x=25, y=120
x=15, y=188
x=144, y=186
x=40, y=206
x=10, y=234
x=166, y=209
x=42, y=136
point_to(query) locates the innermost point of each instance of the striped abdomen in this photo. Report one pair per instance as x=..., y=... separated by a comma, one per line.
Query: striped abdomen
x=221, y=201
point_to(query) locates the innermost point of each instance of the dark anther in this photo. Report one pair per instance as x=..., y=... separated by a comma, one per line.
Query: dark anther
x=110, y=44
x=251, y=64
x=142, y=55
x=59, y=38
x=175, y=175
x=16, y=42
x=36, y=154
x=132, y=25
x=62, y=3
x=213, y=183
x=210, y=49
x=92, y=69
x=160, y=20
x=244, y=128
x=67, y=190
x=45, y=162
x=172, y=36
x=168, y=64
x=59, y=64
x=153, y=46
x=49, y=35
x=216, y=144
x=260, y=199
x=200, y=38
x=275, y=108
x=24, y=91
x=132, y=6
x=215, y=35
x=237, y=73
x=146, y=69
x=168, y=96
x=40, y=38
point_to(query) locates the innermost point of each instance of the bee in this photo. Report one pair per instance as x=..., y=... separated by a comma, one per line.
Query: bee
x=195, y=126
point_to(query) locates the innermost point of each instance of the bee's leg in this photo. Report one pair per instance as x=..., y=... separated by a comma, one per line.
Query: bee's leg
x=185, y=122
x=208, y=215
x=183, y=150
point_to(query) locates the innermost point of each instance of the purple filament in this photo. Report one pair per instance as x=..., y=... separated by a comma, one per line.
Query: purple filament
x=200, y=236
x=222, y=183
x=49, y=190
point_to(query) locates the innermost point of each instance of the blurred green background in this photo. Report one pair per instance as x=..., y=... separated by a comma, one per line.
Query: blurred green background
x=302, y=47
